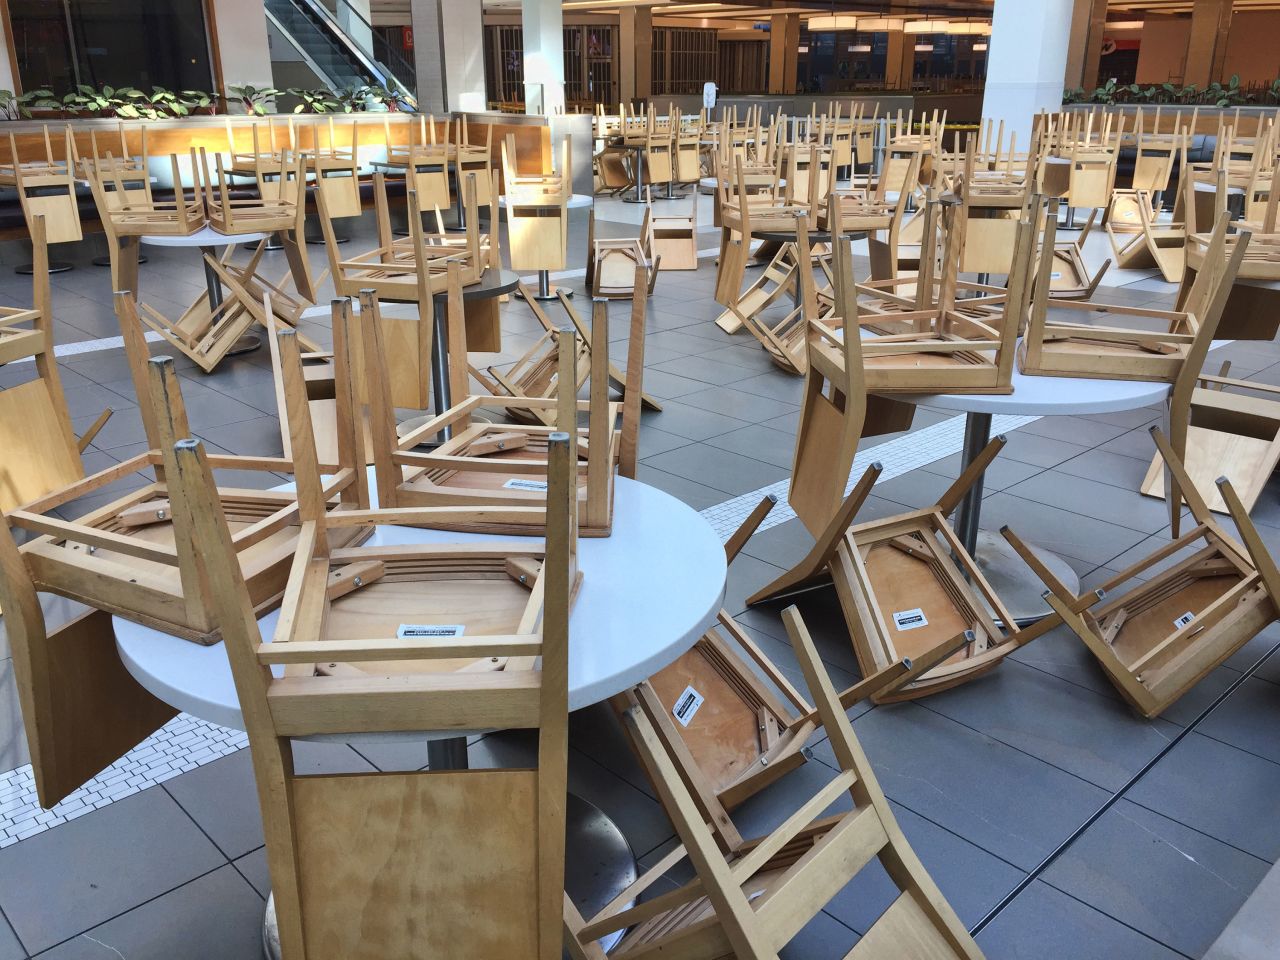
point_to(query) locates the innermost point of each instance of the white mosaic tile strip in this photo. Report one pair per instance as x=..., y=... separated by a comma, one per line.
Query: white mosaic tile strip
x=896, y=457
x=63, y=350
x=183, y=744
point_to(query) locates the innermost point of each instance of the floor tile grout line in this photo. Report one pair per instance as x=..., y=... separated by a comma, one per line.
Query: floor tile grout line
x=1080, y=831
x=187, y=813
x=1203, y=833
x=1123, y=923
x=1227, y=743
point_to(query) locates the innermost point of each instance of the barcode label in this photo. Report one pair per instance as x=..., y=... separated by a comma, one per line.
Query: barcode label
x=428, y=631
x=910, y=619
x=687, y=705
x=1183, y=620
x=537, y=486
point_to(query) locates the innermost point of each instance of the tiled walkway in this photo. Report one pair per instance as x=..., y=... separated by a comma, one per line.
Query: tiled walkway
x=988, y=779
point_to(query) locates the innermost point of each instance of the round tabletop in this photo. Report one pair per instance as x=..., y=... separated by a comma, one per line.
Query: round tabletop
x=1051, y=396
x=493, y=283
x=648, y=592
x=574, y=201
x=206, y=236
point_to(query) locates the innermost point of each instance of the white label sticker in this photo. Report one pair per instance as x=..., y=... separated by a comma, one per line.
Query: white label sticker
x=1183, y=620
x=537, y=486
x=1056, y=275
x=910, y=619
x=428, y=631
x=687, y=705
x=1129, y=214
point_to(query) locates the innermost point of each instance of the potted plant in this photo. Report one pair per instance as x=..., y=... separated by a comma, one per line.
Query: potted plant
x=253, y=99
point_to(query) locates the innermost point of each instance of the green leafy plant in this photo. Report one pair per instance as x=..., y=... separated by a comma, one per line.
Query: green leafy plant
x=314, y=101
x=1105, y=93
x=1073, y=96
x=353, y=99
x=1273, y=91
x=388, y=99
x=15, y=106
x=254, y=99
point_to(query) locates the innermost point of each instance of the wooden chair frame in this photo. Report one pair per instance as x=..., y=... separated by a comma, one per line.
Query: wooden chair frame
x=1157, y=633
x=48, y=189
x=751, y=901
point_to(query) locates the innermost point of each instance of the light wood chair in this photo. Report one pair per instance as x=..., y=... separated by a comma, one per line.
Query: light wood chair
x=537, y=212
x=41, y=451
x=752, y=900
x=274, y=211
x=492, y=475
x=422, y=877
x=269, y=154
x=48, y=189
x=136, y=557
x=611, y=264
x=907, y=586
x=336, y=170
x=81, y=709
x=671, y=241
x=1159, y=630
x=1062, y=348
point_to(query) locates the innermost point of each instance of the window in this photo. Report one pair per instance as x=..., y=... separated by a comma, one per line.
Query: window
x=119, y=43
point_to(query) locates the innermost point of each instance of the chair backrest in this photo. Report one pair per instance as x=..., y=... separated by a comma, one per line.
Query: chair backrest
x=433, y=871
x=49, y=190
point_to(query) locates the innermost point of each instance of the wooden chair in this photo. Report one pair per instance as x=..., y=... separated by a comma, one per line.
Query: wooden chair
x=41, y=451
x=1223, y=433
x=490, y=474
x=336, y=170
x=537, y=212
x=1060, y=348
x=425, y=162
x=81, y=709
x=136, y=557
x=611, y=264
x=269, y=154
x=1070, y=278
x=422, y=877
x=906, y=584
x=48, y=189
x=274, y=211
x=735, y=735
x=101, y=153
x=1157, y=632
x=671, y=242
x=476, y=160
x=1154, y=244
x=751, y=900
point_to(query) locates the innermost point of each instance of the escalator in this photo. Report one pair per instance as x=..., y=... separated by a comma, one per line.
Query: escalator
x=341, y=47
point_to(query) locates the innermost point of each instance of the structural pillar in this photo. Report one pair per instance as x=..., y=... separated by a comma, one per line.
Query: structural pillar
x=543, y=26
x=448, y=54
x=1207, y=46
x=1084, y=51
x=784, y=50
x=635, y=54
x=900, y=60
x=244, y=54
x=1026, y=62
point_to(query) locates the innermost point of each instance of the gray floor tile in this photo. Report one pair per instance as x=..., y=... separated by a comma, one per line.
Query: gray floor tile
x=718, y=469
x=1002, y=474
x=703, y=368
x=257, y=436
x=314, y=756
x=1248, y=719
x=747, y=575
x=1216, y=789
x=1096, y=500
x=1168, y=881
x=13, y=742
x=688, y=421
x=1076, y=430
x=734, y=403
x=1039, y=451
x=695, y=494
x=653, y=441
x=401, y=755
x=823, y=936
x=10, y=948
x=758, y=442
x=1092, y=736
x=784, y=545
x=774, y=384
x=222, y=798
x=1046, y=924
x=217, y=917
x=1113, y=468
x=1009, y=804
x=665, y=385
x=253, y=867
x=1136, y=443
x=64, y=881
x=1062, y=531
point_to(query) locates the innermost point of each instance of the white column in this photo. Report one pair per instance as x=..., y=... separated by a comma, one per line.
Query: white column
x=1027, y=61
x=243, y=50
x=355, y=18
x=543, y=22
x=448, y=52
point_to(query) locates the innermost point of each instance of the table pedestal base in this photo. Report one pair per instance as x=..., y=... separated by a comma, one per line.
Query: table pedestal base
x=248, y=343
x=1014, y=582
x=55, y=266
x=599, y=865
x=546, y=289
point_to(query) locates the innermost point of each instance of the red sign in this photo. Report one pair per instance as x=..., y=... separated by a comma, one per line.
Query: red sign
x=406, y=37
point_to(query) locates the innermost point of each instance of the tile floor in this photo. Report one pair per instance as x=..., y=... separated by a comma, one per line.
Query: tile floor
x=989, y=779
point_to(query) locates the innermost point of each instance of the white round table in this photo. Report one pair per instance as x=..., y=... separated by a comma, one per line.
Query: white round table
x=649, y=591
x=1012, y=579
x=545, y=290
x=208, y=240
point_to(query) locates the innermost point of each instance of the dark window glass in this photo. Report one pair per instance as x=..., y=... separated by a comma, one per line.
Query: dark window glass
x=119, y=43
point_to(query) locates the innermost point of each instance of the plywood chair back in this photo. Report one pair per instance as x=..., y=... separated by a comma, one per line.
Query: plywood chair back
x=274, y=210
x=49, y=191
x=336, y=170
x=421, y=877
x=752, y=901
x=81, y=709
x=1161, y=625
x=41, y=452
